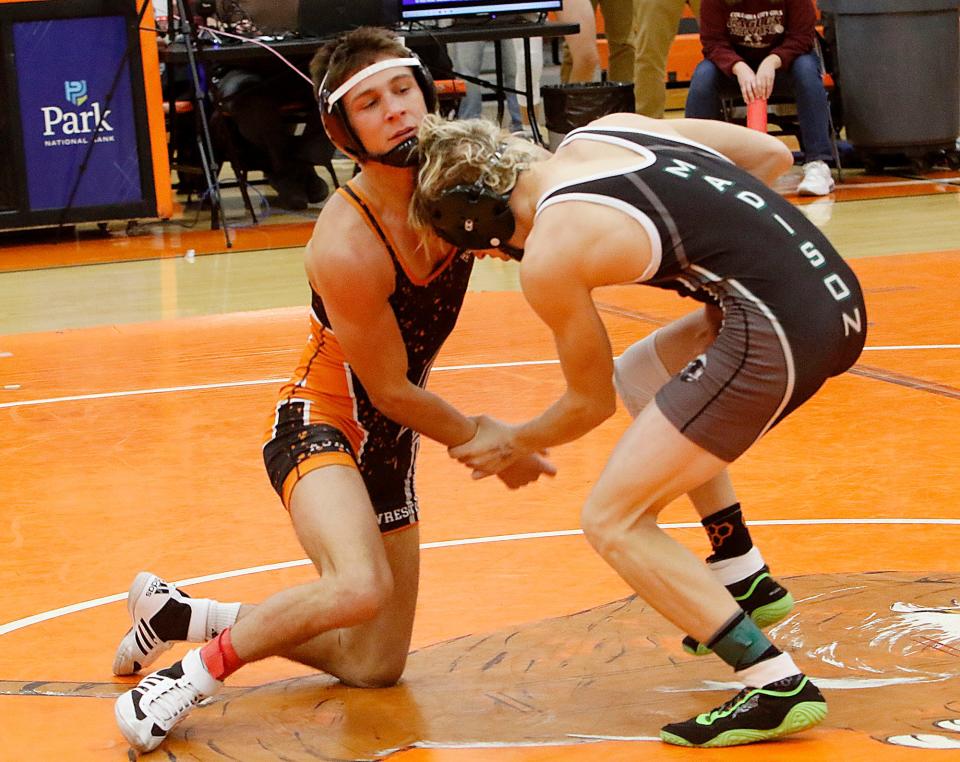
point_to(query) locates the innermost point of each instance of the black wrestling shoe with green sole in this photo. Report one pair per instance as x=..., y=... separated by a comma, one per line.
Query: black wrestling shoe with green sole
x=754, y=714
x=764, y=599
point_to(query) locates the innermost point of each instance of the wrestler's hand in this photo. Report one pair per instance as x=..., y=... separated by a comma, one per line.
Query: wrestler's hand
x=491, y=449
x=526, y=470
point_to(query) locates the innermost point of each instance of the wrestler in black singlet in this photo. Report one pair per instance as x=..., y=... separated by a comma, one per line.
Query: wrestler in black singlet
x=793, y=311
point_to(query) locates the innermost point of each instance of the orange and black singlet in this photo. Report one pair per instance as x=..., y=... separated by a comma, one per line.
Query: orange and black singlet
x=324, y=411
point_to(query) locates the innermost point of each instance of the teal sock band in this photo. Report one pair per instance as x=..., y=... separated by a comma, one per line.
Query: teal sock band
x=740, y=643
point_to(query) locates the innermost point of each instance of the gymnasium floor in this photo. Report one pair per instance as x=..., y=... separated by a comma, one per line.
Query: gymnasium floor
x=134, y=388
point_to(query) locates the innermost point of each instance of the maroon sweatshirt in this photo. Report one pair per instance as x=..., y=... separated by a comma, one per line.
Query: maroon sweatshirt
x=750, y=30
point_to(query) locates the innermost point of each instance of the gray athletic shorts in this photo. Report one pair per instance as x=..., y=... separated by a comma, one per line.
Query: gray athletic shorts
x=751, y=377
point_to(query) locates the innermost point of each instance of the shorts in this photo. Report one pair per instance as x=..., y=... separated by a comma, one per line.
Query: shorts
x=297, y=445
x=757, y=371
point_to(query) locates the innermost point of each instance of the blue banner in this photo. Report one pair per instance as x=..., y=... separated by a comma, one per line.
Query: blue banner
x=65, y=68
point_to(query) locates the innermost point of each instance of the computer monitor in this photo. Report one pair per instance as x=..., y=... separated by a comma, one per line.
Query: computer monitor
x=420, y=10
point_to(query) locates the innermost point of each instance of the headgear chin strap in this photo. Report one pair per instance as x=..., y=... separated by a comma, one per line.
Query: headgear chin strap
x=475, y=217
x=333, y=114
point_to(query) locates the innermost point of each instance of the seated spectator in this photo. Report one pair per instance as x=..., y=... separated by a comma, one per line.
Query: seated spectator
x=255, y=97
x=766, y=47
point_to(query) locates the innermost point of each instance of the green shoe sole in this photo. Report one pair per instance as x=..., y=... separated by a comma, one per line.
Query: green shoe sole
x=764, y=616
x=800, y=717
x=768, y=615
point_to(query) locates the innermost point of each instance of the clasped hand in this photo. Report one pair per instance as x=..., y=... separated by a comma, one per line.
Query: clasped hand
x=494, y=450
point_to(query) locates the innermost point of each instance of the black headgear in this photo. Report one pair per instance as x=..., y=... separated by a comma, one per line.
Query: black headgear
x=333, y=114
x=475, y=217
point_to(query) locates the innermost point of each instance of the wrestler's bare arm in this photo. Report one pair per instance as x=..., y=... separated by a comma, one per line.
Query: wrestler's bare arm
x=347, y=266
x=559, y=271
x=760, y=154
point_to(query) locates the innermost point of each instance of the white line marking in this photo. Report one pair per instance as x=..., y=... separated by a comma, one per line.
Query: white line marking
x=18, y=624
x=6, y=354
x=11, y=387
x=574, y=739
x=911, y=346
x=134, y=392
x=265, y=381
x=835, y=683
x=597, y=738
x=898, y=183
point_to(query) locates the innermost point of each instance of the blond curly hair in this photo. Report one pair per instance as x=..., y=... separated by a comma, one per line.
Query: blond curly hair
x=460, y=153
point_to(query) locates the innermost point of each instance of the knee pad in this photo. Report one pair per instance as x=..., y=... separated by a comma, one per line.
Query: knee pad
x=638, y=374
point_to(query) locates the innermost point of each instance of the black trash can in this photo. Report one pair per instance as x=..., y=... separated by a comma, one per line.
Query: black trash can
x=566, y=107
x=897, y=69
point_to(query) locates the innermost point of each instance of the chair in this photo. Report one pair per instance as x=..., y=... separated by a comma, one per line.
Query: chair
x=182, y=148
x=449, y=94
x=245, y=157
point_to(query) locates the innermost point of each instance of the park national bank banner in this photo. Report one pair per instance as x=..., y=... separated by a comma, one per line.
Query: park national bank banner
x=65, y=69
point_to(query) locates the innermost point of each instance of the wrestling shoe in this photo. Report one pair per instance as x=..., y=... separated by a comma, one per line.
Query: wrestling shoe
x=147, y=713
x=764, y=599
x=754, y=714
x=160, y=618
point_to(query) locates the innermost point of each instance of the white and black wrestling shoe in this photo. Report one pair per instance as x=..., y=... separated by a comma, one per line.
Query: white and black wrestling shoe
x=147, y=713
x=160, y=618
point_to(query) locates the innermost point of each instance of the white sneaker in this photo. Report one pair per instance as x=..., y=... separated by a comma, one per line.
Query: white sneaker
x=817, y=179
x=147, y=713
x=160, y=618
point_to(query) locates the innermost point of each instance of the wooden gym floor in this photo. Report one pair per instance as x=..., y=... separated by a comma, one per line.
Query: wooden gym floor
x=134, y=385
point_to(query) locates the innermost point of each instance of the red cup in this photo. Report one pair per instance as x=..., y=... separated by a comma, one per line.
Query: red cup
x=757, y=115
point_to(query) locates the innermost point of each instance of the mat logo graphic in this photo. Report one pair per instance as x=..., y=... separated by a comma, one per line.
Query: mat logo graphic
x=75, y=91
x=936, y=629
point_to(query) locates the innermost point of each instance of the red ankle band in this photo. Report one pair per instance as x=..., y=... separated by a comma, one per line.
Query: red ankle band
x=219, y=657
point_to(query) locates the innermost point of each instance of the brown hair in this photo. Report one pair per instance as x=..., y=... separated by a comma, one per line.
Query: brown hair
x=350, y=52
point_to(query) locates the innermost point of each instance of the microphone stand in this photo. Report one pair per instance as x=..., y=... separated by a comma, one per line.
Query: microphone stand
x=204, y=141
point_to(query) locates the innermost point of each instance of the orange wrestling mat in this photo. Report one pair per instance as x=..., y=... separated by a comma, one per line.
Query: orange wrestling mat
x=132, y=447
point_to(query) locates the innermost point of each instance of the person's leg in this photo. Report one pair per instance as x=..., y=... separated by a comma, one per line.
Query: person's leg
x=807, y=84
x=508, y=57
x=364, y=655
x=652, y=464
x=337, y=525
x=256, y=112
x=355, y=582
x=373, y=653
x=649, y=363
x=703, y=98
x=655, y=26
x=618, y=27
x=468, y=59
x=584, y=60
x=638, y=374
x=536, y=70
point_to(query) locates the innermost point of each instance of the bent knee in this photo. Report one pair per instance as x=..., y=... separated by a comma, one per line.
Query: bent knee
x=376, y=670
x=358, y=596
x=606, y=525
x=367, y=593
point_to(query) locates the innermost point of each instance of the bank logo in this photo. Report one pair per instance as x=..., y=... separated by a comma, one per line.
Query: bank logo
x=75, y=91
x=75, y=126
